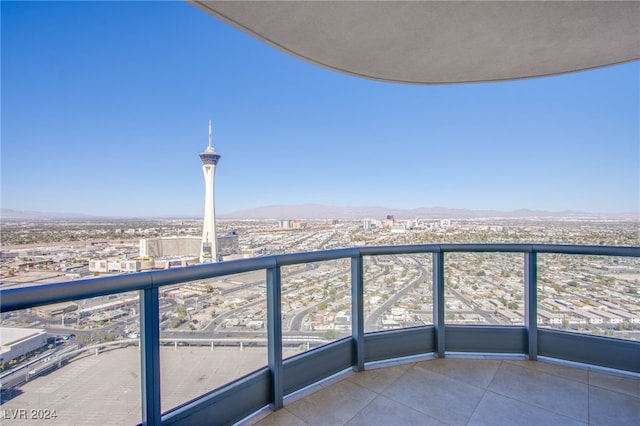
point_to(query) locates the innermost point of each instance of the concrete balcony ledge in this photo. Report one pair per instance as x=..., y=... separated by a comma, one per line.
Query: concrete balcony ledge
x=465, y=390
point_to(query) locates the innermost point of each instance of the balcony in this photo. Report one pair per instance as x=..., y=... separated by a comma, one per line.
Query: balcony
x=229, y=377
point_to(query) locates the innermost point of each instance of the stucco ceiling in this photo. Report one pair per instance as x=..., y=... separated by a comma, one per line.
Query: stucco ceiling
x=443, y=41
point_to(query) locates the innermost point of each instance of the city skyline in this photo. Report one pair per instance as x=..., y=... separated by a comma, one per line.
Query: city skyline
x=104, y=109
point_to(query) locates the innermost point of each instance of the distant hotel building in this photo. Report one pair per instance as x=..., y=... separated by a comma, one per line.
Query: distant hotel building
x=170, y=247
x=291, y=224
x=188, y=247
x=398, y=228
x=285, y=223
x=164, y=253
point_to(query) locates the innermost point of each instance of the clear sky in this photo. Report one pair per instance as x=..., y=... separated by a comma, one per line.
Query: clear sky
x=105, y=108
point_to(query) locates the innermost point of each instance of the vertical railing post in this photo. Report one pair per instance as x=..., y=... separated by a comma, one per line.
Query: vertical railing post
x=438, y=301
x=357, y=311
x=274, y=334
x=150, y=356
x=531, y=302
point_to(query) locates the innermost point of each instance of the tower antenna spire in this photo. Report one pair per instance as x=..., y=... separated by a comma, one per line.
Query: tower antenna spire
x=209, y=133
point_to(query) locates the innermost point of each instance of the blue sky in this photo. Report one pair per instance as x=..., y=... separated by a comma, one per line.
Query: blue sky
x=105, y=108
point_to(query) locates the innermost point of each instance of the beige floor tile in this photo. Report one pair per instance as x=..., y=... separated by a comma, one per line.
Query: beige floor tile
x=497, y=410
x=578, y=374
x=551, y=392
x=301, y=394
x=612, y=408
x=281, y=417
x=378, y=379
x=334, y=405
x=385, y=412
x=616, y=383
x=336, y=378
x=476, y=372
x=448, y=400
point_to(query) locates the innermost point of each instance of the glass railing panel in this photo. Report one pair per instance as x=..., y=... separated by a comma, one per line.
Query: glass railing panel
x=72, y=363
x=398, y=291
x=316, y=305
x=597, y=295
x=484, y=289
x=212, y=332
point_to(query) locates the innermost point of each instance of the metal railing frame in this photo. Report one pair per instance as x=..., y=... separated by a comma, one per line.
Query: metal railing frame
x=149, y=283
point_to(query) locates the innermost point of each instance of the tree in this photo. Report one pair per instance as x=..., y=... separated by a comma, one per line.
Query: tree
x=330, y=335
x=176, y=322
x=96, y=337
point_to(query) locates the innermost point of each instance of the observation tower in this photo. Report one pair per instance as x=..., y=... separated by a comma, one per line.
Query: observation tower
x=210, y=158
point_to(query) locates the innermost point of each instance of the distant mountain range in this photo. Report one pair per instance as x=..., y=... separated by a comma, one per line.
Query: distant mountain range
x=317, y=211
x=34, y=215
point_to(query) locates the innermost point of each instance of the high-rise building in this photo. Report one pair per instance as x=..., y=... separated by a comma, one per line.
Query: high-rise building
x=210, y=158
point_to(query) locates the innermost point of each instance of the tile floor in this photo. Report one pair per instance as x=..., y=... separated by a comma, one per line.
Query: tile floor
x=465, y=391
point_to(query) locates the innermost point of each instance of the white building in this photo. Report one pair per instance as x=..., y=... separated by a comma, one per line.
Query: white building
x=118, y=265
x=285, y=223
x=399, y=228
x=16, y=342
x=186, y=246
x=170, y=246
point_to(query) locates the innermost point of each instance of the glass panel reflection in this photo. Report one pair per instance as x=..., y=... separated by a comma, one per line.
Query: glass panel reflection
x=484, y=288
x=72, y=363
x=590, y=294
x=398, y=291
x=212, y=332
x=316, y=304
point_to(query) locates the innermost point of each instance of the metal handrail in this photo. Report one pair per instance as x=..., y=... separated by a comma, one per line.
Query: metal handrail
x=12, y=299
x=149, y=283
